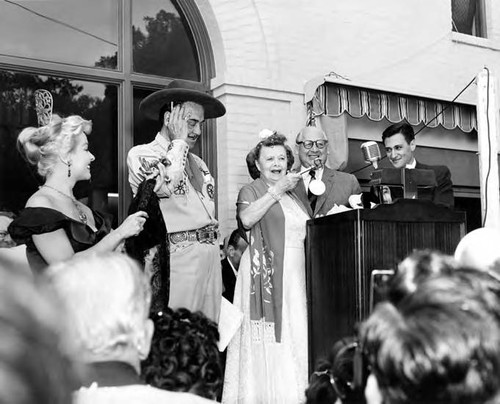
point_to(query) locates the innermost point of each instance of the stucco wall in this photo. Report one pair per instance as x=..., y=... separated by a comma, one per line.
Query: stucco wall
x=266, y=50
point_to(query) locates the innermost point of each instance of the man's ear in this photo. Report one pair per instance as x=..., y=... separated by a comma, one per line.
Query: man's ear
x=144, y=343
x=230, y=251
x=413, y=145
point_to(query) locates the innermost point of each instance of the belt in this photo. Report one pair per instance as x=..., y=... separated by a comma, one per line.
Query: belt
x=208, y=234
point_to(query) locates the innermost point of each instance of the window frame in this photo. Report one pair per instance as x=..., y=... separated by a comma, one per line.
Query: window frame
x=125, y=79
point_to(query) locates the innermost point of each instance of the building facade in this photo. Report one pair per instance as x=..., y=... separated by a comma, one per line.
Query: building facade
x=101, y=57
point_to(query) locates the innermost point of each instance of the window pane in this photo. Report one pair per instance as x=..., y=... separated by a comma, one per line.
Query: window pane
x=145, y=130
x=468, y=17
x=162, y=42
x=94, y=101
x=71, y=31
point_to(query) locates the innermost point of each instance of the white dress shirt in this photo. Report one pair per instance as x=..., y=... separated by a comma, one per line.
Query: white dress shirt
x=307, y=176
x=412, y=165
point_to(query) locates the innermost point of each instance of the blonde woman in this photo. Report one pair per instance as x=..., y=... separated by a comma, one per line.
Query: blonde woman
x=54, y=225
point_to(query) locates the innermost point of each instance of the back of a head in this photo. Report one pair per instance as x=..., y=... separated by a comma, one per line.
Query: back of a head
x=108, y=298
x=479, y=249
x=440, y=344
x=415, y=269
x=36, y=364
x=333, y=378
x=184, y=355
x=234, y=238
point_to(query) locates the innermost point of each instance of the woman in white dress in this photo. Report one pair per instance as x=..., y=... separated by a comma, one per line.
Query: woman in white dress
x=267, y=358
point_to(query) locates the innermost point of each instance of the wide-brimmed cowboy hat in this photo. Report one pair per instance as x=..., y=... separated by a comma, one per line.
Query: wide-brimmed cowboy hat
x=181, y=91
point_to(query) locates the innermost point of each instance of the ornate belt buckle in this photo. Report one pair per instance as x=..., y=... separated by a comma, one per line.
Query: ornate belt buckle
x=178, y=237
x=199, y=235
x=212, y=236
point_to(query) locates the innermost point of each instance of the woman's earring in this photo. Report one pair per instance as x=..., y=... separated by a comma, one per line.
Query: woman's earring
x=69, y=169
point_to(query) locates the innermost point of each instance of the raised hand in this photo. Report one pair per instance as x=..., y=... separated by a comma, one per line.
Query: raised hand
x=287, y=183
x=177, y=123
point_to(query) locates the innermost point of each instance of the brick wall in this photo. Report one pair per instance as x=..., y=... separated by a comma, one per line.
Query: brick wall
x=266, y=50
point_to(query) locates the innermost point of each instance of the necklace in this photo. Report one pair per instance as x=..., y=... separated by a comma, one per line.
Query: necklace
x=81, y=214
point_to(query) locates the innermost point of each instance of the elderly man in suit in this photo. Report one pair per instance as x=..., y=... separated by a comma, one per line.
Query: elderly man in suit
x=399, y=142
x=312, y=145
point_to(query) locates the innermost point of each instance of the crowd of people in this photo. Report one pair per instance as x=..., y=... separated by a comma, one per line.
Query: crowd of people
x=101, y=335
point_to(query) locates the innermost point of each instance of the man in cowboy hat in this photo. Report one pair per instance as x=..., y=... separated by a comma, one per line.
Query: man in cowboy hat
x=186, y=191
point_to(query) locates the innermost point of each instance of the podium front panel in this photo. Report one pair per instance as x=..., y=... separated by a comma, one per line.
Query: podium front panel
x=343, y=249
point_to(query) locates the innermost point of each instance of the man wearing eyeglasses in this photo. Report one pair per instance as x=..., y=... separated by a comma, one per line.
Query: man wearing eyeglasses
x=312, y=145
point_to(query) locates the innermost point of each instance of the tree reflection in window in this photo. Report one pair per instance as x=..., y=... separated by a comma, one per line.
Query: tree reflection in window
x=95, y=101
x=165, y=47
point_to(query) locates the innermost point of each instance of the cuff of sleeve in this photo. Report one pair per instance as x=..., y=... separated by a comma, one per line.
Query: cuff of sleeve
x=180, y=143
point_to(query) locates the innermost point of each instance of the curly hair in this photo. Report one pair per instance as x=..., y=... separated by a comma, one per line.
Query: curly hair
x=42, y=146
x=184, y=355
x=415, y=269
x=334, y=376
x=276, y=139
x=440, y=343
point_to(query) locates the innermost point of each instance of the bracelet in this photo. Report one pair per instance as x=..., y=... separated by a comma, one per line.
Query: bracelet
x=275, y=196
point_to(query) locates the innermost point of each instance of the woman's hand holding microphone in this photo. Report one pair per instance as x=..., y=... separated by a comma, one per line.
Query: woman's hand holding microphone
x=284, y=184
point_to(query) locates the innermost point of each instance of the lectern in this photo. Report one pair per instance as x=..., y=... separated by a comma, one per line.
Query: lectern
x=343, y=249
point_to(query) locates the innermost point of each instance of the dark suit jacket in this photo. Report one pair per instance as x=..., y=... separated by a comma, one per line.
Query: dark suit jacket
x=339, y=187
x=228, y=279
x=443, y=193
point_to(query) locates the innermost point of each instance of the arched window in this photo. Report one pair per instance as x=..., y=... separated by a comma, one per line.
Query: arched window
x=99, y=59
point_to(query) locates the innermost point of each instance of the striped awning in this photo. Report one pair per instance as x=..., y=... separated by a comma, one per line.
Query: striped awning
x=334, y=99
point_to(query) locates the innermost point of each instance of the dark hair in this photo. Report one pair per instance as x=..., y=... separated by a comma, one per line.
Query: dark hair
x=276, y=139
x=404, y=128
x=252, y=168
x=235, y=238
x=335, y=374
x=439, y=344
x=415, y=269
x=184, y=354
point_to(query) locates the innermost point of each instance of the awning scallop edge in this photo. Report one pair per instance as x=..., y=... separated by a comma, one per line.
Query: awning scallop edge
x=333, y=99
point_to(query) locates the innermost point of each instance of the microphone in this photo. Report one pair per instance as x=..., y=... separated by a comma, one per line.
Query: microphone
x=317, y=165
x=371, y=153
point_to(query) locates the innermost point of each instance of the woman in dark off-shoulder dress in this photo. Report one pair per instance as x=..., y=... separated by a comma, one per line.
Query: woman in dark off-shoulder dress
x=54, y=225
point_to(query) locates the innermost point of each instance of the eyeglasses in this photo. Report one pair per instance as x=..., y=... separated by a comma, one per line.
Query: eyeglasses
x=308, y=144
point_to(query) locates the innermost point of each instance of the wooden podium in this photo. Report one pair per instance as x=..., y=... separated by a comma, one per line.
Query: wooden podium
x=343, y=249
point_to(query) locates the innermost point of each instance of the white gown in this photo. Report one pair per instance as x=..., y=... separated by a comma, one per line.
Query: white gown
x=266, y=372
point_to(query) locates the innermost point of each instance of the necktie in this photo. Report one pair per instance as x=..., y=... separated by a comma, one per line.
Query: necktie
x=312, y=198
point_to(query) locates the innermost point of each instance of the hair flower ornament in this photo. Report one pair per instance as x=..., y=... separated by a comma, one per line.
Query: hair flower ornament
x=265, y=133
x=43, y=106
